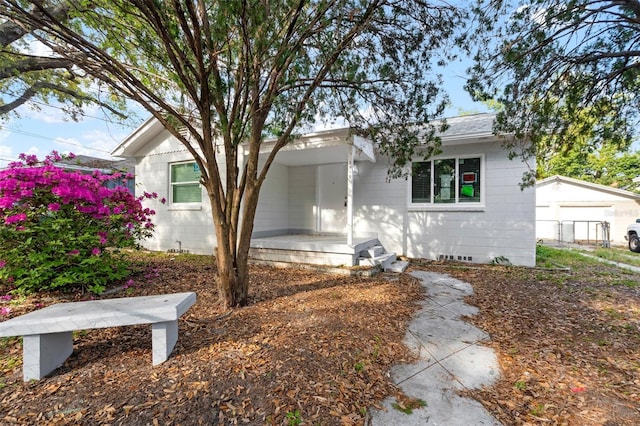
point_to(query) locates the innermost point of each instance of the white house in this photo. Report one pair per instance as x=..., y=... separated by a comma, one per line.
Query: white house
x=328, y=199
x=571, y=210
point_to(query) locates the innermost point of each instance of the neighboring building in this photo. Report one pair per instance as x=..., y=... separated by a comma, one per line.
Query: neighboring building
x=572, y=210
x=88, y=164
x=327, y=194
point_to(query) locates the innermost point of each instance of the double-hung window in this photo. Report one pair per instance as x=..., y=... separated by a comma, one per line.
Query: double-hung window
x=447, y=181
x=185, y=183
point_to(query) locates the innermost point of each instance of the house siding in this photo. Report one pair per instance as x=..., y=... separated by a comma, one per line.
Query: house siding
x=302, y=198
x=504, y=227
x=191, y=225
x=272, y=210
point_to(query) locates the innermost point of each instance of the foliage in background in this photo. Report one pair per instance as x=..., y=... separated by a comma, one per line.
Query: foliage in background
x=61, y=228
x=566, y=73
x=606, y=166
x=584, y=158
x=223, y=76
x=31, y=74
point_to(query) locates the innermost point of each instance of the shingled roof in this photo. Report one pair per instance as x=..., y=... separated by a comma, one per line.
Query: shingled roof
x=476, y=124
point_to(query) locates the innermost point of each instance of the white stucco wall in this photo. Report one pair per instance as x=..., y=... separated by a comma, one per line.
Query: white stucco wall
x=302, y=198
x=273, y=204
x=192, y=225
x=560, y=201
x=505, y=226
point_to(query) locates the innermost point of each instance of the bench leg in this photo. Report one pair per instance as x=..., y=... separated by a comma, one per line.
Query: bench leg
x=164, y=336
x=43, y=353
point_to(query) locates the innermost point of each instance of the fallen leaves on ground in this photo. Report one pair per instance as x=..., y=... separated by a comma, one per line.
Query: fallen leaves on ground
x=315, y=348
x=568, y=343
x=311, y=347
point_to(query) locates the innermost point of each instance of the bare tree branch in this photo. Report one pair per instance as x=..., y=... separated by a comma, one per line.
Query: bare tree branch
x=31, y=64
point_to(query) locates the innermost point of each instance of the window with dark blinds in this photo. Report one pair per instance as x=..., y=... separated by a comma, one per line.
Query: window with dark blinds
x=446, y=181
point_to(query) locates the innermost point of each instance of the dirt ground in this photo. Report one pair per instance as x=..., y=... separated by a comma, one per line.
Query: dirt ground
x=568, y=343
x=316, y=349
x=310, y=347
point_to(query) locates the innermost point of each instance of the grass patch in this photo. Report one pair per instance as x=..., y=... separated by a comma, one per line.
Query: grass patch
x=551, y=257
x=618, y=255
x=581, y=262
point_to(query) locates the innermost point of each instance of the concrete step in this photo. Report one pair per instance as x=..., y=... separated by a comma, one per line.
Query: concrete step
x=384, y=260
x=375, y=251
x=398, y=266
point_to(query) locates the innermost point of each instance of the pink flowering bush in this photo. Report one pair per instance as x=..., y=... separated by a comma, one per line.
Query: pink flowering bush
x=62, y=229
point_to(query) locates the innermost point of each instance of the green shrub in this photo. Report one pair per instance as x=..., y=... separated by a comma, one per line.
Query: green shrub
x=61, y=228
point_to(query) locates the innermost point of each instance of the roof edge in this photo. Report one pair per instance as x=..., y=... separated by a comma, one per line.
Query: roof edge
x=590, y=185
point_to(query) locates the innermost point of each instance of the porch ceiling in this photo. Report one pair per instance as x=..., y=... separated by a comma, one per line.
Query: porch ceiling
x=324, y=148
x=314, y=155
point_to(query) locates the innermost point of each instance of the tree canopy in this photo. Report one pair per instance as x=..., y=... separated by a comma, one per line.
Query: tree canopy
x=222, y=76
x=605, y=167
x=563, y=70
x=27, y=76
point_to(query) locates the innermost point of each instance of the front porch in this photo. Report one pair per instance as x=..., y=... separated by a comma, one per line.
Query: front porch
x=312, y=248
x=306, y=208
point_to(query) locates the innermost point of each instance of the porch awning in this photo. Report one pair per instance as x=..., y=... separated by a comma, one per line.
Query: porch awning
x=328, y=146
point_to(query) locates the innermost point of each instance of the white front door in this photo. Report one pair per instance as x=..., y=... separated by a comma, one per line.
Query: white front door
x=332, y=198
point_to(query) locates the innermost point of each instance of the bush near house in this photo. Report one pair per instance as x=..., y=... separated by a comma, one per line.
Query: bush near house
x=62, y=228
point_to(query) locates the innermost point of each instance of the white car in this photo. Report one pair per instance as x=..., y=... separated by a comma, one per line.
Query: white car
x=633, y=236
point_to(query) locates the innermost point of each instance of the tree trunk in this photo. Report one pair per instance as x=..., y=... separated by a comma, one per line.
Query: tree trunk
x=232, y=280
x=233, y=268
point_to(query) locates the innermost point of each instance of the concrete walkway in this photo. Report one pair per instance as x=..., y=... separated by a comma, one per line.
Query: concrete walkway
x=451, y=359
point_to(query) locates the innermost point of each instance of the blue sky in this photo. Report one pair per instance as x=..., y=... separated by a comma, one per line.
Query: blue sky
x=41, y=131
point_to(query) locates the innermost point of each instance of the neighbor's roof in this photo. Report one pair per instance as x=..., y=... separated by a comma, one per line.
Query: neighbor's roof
x=589, y=185
x=88, y=163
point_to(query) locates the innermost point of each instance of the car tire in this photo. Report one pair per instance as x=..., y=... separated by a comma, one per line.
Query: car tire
x=634, y=243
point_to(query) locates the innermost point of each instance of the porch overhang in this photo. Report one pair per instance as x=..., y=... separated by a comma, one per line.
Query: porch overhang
x=325, y=147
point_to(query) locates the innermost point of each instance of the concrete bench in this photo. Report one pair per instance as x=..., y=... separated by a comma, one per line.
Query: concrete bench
x=47, y=333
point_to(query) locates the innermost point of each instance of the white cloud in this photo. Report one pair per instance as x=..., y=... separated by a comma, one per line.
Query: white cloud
x=36, y=48
x=4, y=135
x=6, y=151
x=43, y=113
x=95, y=143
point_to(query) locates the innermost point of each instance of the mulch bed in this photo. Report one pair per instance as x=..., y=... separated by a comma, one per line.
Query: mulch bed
x=568, y=344
x=311, y=347
x=316, y=348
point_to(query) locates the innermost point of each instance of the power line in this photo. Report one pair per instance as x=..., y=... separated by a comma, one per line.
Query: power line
x=8, y=93
x=5, y=158
x=35, y=135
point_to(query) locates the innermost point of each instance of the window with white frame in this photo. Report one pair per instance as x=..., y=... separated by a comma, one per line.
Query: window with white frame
x=185, y=183
x=447, y=181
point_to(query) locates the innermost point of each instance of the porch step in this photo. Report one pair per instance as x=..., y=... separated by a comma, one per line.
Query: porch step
x=398, y=266
x=384, y=260
x=375, y=251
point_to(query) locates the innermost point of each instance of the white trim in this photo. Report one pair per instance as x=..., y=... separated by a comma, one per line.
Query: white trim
x=365, y=146
x=318, y=210
x=350, y=173
x=195, y=205
x=186, y=207
x=138, y=138
x=456, y=206
x=590, y=185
